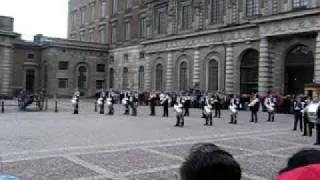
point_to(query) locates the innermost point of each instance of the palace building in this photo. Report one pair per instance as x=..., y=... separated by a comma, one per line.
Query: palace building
x=238, y=46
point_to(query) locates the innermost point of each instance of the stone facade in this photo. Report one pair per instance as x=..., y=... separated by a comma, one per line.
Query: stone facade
x=215, y=43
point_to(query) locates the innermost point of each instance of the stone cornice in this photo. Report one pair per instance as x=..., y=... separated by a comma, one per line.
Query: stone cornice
x=201, y=33
x=9, y=33
x=287, y=15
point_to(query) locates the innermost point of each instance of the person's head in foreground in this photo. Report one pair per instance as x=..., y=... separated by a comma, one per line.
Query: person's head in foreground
x=304, y=165
x=208, y=162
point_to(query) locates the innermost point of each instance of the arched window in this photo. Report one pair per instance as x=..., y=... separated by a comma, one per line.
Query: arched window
x=212, y=76
x=249, y=71
x=299, y=69
x=141, y=78
x=159, y=77
x=183, y=76
x=125, y=82
x=82, y=77
x=111, y=78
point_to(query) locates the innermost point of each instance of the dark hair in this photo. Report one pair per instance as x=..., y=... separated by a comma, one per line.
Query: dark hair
x=207, y=161
x=302, y=158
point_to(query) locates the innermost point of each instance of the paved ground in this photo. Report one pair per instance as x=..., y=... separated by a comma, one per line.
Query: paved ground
x=55, y=146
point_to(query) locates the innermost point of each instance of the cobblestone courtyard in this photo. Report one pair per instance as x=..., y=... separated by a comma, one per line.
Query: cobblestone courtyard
x=55, y=146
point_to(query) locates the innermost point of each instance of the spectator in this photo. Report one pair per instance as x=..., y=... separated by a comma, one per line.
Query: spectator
x=304, y=165
x=207, y=161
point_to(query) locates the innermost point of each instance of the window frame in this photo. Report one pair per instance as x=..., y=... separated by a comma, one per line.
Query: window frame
x=101, y=86
x=63, y=65
x=253, y=8
x=63, y=83
x=100, y=68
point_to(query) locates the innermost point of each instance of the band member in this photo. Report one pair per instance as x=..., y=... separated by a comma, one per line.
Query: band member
x=234, y=106
x=110, y=102
x=101, y=101
x=75, y=102
x=165, y=101
x=270, y=103
x=134, y=101
x=208, y=108
x=152, y=100
x=178, y=107
x=203, y=101
x=125, y=102
x=313, y=113
x=307, y=126
x=217, y=106
x=298, y=105
x=254, y=108
x=186, y=104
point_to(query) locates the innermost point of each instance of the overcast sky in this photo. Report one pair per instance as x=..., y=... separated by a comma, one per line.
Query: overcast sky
x=47, y=17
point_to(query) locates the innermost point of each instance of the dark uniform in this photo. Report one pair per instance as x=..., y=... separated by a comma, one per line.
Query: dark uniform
x=103, y=98
x=152, y=100
x=134, y=104
x=208, y=116
x=271, y=101
x=178, y=106
x=165, y=104
x=297, y=107
x=307, y=125
x=125, y=102
x=110, y=102
x=255, y=106
x=186, y=105
x=235, y=102
x=217, y=106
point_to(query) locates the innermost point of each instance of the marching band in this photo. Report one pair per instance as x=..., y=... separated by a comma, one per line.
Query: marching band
x=306, y=112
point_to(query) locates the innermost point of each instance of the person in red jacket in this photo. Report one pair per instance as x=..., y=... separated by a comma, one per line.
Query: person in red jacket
x=304, y=165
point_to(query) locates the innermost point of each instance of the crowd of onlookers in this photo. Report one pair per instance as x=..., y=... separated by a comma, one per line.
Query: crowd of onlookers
x=209, y=162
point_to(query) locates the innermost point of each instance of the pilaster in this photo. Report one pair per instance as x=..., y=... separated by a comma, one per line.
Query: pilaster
x=169, y=72
x=264, y=77
x=229, y=70
x=147, y=76
x=6, y=71
x=196, y=67
x=317, y=60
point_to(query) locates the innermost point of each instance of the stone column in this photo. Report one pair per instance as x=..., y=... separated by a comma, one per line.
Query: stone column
x=196, y=67
x=169, y=72
x=229, y=70
x=264, y=76
x=317, y=60
x=148, y=73
x=6, y=71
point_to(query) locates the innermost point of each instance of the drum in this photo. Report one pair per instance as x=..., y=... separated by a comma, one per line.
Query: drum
x=100, y=101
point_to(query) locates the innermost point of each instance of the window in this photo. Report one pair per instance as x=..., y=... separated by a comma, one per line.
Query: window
x=99, y=84
x=102, y=35
x=91, y=36
x=159, y=77
x=127, y=30
x=128, y=4
x=82, y=36
x=125, y=82
x=63, y=65
x=114, y=6
x=217, y=11
x=113, y=34
x=141, y=54
x=187, y=17
x=63, y=83
x=162, y=23
x=141, y=78
x=142, y=27
x=183, y=76
x=111, y=78
x=252, y=8
x=30, y=56
x=93, y=11
x=249, y=71
x=125, y=57
x=103, y=8
x=74, y=19
x=83, y=15
x=100, y=67
x=300, y=3
x=111, y=60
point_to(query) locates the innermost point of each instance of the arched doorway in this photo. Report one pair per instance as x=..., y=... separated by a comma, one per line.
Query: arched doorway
x=125, y=82
x=183, y=76
x=249, y=71
x=141, y=78
x=299, y=69
x=111, y=78
x=82, y=80
x=159, y=77
x=212, y=75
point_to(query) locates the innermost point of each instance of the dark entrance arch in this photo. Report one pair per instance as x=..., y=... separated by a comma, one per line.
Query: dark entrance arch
x=159, y=77
x=212, y=75
x=249, y=71
x=299, y=69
